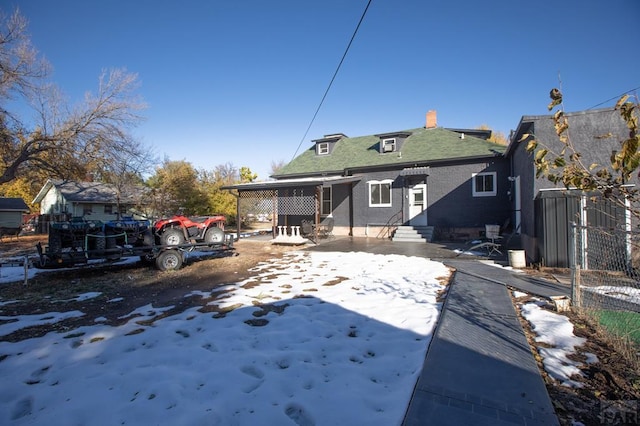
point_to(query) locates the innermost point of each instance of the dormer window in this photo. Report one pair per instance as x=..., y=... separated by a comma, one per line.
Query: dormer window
x=322, y=148
x=392, y=142
x=389, y=145
x=326, y=145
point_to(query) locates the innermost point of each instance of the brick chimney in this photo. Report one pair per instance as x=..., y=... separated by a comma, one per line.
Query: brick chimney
x=432, y=120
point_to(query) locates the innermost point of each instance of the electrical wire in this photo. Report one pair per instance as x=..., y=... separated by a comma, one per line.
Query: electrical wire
x=326, y=92
x=615, y=98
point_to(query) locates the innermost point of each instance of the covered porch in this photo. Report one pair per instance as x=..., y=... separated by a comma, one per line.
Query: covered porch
x=292, y=208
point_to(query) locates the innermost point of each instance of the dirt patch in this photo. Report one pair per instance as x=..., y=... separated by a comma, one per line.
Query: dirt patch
x=124, y=288
x=613, y=379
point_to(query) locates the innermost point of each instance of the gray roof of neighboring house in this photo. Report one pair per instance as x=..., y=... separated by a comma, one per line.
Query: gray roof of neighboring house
x=91, y=192
x=595, y=132
x=422, y=146
x=13, y=204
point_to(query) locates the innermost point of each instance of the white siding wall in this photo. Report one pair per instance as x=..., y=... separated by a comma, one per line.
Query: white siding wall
x=52, y=202
x=97, y=213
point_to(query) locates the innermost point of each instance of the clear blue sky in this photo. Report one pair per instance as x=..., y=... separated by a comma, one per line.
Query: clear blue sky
x=239, y=81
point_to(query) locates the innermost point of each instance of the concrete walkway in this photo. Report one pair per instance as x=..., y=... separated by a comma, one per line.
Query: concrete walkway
x=479, y=369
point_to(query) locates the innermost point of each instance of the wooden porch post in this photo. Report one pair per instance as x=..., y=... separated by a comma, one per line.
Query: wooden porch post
x=274, y=213
x=316, y=199
x=238, y=218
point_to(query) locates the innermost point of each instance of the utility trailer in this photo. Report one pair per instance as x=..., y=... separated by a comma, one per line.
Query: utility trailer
x=79, y=241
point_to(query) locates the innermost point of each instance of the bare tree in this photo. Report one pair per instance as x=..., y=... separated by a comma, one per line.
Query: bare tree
x=19, y=62
x=276, y=166
x=66, y=142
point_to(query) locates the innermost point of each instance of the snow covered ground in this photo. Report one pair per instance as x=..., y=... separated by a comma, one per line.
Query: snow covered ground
x=348, y=352
x=343, y=344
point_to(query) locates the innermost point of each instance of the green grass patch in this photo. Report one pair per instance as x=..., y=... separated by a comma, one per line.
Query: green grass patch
x=621, y=323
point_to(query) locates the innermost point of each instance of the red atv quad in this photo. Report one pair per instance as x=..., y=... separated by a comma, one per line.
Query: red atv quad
x=181, y=230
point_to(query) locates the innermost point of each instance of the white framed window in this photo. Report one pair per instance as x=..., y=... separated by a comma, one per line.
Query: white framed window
x=325, y=201
x=380, y=193
x=484, y=184
x=389, y=145
x=322, y=148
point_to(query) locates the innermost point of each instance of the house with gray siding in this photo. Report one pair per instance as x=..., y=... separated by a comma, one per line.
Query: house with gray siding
x=12, y=211
x=431, y=179
x=62, y=200
x=542, y=210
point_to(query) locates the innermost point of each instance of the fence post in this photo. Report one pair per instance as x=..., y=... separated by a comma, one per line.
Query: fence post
x=575, y=266
x=26, y=270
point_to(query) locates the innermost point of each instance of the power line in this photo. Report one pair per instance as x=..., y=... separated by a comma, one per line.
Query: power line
x=332, y=79
x=615, y=98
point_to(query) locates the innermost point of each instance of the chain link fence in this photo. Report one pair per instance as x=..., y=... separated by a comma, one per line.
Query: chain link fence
x=605, y=279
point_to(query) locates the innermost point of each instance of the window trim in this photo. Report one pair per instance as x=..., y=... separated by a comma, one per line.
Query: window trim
x=330, y=201
x=322, y=148
x=380, y=183
x=476, y=193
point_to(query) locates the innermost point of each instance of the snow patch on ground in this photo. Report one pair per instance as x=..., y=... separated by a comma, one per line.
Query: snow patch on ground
x=556, y=331
x=313, y=338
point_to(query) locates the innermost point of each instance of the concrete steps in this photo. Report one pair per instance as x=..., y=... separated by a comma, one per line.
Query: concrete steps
x=413, y=234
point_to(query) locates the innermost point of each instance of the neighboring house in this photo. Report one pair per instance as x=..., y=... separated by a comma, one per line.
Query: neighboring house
x=542, y=210
x=453, y=181
x=93, y=200
x=12, y=211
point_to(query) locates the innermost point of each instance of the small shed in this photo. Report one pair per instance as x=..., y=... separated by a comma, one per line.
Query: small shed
x=555, y=210
x=11, y=212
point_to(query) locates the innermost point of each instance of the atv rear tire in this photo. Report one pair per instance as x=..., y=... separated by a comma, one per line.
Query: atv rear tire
x=111, y=247
x=147, y=238
x=214, y=235
x=172, y=237
x=169, y=260
x=55, y=241
x=100, y=243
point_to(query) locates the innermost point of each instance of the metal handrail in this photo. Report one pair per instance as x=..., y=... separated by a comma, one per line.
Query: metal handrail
x=393, y=221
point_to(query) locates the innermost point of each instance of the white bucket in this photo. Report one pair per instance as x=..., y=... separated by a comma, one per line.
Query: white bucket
x=562, y=303
x=516, y=259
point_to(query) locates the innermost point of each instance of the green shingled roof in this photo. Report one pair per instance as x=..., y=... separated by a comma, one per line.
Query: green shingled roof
x=423, y=146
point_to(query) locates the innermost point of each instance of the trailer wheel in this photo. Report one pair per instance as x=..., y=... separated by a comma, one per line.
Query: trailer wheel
x=169, y=260
x=172, y=237
x=214, y=235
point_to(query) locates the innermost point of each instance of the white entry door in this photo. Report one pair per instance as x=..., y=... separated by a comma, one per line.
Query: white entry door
x=418, y=205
